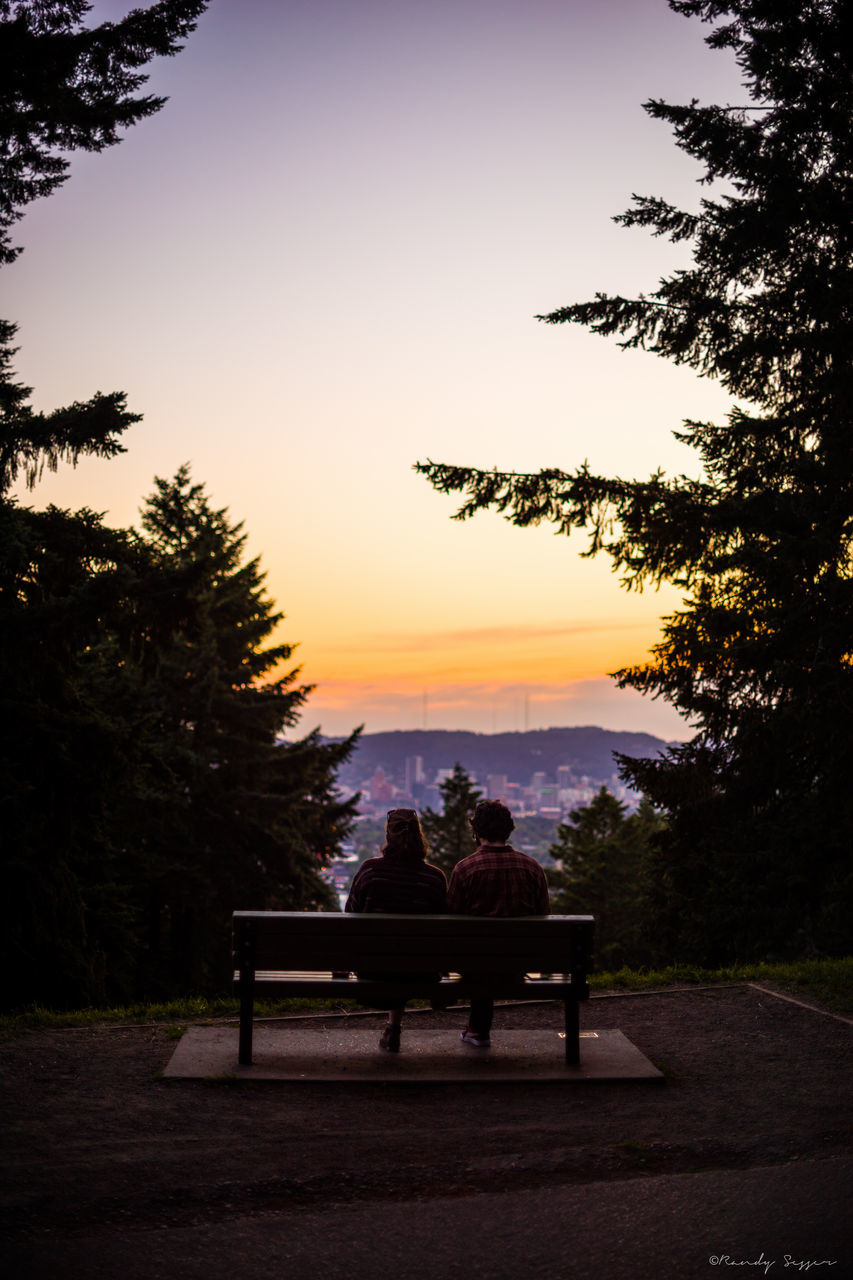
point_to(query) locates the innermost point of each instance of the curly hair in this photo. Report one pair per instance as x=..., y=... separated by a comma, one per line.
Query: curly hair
x=492, y=820
x=403, y=835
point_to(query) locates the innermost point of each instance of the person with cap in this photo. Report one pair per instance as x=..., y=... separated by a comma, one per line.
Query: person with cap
x=400, y=881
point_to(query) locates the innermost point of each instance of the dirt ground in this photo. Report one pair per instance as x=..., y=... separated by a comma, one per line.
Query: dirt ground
x=95, y=1141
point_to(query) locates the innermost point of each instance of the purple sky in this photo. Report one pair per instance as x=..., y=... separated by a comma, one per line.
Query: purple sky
x=321, y=262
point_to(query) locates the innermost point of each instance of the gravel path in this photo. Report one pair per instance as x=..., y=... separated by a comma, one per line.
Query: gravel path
x=99, y=1152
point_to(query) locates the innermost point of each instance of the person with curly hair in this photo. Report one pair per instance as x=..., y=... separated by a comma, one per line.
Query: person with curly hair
x=494, y=880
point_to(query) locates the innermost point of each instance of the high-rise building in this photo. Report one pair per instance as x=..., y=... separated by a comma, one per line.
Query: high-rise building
x=414, y=773
x=496, y=786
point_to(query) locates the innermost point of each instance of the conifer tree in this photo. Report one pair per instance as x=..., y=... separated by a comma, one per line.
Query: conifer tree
x=63, y=576
x=64, y=748
x=239, y=815
x=145, y=789
x=756, y=857
x=66, y=87
x=603, y=856
x=449, y=832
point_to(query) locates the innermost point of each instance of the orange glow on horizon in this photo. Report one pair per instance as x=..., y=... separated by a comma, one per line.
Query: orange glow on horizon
x=501, y=679
x=520, y=655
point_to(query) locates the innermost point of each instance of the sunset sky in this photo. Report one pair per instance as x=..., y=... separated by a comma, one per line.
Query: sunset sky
x=321, y=262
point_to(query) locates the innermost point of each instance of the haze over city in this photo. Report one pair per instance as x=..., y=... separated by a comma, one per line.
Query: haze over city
x=321, y=262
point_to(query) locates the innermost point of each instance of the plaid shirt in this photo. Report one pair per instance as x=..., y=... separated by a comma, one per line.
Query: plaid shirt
x=497, y=880
x=394, y=884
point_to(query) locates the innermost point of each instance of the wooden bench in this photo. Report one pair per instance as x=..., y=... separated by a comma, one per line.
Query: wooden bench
x=294, y=953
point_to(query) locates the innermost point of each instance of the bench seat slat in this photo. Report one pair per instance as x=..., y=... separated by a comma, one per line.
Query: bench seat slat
x=280, y=976
x=319, y=984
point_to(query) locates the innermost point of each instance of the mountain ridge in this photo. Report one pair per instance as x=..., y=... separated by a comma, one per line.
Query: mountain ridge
x=587, y=749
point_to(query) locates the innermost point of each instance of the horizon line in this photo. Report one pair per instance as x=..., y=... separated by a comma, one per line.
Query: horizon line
x=502, y=733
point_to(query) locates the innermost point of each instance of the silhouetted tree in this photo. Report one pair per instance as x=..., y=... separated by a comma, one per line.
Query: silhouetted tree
x=369, y=836
x=242, y=817
x=67, y=87
x=604, y=855
x=756, y=859
x=145, y=789
x=63, y=586
x=150, y=789
x=449, y=832
x=63, y=577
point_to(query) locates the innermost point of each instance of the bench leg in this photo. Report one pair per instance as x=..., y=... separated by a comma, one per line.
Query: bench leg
x=573, y=1048
x=247, y=1014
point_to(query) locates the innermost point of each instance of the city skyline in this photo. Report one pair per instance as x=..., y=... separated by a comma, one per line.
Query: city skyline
x=534, y=773
x=552, y=794
x=321, y=262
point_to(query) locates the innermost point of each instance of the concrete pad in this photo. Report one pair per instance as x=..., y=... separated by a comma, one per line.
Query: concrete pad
x=341, y=1053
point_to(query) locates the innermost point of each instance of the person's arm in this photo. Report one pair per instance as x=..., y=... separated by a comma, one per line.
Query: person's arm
x=355, y=897
x=455, y=905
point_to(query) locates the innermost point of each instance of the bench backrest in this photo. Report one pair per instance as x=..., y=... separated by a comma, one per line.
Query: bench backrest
x=306, y=940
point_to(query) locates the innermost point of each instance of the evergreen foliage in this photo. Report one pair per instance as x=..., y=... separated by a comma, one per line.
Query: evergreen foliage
x=67, y=87
x=145, y=787
x=237, y=814
x=368, y=835
x=147, y=790
x=63, y=582
x=603, y=852
x=534, y=834
x=63, y=576
x=449, y=832
x=756, y=857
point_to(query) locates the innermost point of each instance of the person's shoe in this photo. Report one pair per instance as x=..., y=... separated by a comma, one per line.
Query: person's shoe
x=390, y=1039
x=474, y=1038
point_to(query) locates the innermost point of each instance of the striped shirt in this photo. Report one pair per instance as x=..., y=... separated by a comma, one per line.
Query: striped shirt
x=497, y=880
x=394, y=884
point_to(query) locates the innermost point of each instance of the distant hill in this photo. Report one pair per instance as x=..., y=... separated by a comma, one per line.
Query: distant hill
x=587, y=750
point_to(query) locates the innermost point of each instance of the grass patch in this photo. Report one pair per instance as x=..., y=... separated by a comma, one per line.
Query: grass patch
x=194, y=1008
x=633, y=1147
x=827, y=982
